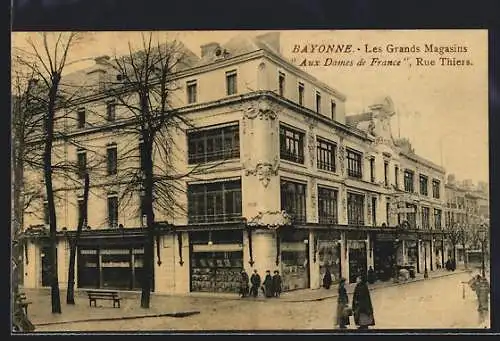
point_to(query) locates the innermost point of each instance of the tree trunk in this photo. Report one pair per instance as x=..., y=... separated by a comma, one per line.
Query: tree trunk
x=150, y=221
x=70, y=293
x=47, y=167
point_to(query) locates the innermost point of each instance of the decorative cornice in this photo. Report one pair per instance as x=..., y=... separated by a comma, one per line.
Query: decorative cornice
x=271, y=219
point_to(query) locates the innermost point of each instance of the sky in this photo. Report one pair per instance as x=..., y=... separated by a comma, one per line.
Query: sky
x=443, y=110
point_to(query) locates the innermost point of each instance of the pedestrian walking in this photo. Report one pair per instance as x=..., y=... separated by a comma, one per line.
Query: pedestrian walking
x=255, y=281
x=343, y=309
x=244, y=286
x=362, y=305
x=482, y=292
x=268, y=285
x=276, y=283
x=371, y=275
x=327, y=279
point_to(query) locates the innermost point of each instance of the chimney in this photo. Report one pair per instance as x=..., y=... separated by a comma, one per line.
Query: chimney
x=272, y=39
x=209, y=49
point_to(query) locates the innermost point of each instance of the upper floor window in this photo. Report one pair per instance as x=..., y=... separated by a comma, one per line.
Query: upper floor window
x=142, y=156
x=192, y=89
x=293, y=200
x=355, y=209
x=142, y=203
x=81, y=155
x=81, y=207
x=113, y=210
x=411, y=215
x=111, y=153
x=80, y=118
x=318, y=102
x=437, y=218
x=386, y=173
x=408, y=174
x=327, y=206
x=46, y=215
x=231, y=83
x=111, y=111
x=396, y=176
x=334, y=110
x=281, y=83
x=291, y=145
x=354, y=167
x=301, y=94
x=423, y=185
x=435, y=189
x=425, y=218
x=326, y=155
x=372, y=169
x=214, y=144
x=214, y=202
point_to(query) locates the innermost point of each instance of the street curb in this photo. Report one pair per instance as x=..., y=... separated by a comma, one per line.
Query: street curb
x=176, y=314
x=374, y=288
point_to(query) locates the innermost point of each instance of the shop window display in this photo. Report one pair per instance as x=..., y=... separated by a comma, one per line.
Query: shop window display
x=216, y=271
x=329, y=257
x=294, y=268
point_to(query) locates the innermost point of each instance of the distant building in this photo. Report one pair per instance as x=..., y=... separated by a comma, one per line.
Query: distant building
x=301, y=186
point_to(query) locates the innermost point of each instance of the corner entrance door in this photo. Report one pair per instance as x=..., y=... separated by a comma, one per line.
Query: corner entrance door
x=44, y=255
x=357, y=263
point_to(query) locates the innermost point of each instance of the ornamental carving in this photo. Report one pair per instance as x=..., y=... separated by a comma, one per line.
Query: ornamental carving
x=311, y=146
x=264, y=171
x=341, y=156
x=313, y=194
x=271, y=219
x=260, y=109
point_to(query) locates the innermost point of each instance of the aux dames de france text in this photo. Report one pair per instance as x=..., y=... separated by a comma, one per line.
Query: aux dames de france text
x=388, y=55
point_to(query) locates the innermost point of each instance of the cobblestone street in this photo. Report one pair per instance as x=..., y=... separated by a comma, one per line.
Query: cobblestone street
x=436, y=303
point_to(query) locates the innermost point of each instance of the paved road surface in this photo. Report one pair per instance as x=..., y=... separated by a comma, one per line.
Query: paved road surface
x=435, y=303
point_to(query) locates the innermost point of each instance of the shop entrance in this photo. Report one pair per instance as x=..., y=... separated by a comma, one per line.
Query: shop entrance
x=357, y=260
x=384, y=259
x=46, y=268
x=216, y=271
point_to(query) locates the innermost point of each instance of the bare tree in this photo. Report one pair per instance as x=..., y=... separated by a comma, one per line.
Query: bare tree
x=46, y=58
x=144, y=86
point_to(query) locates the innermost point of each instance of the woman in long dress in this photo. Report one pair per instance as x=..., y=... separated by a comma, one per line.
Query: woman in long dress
x=342, y=305
x=362, y=305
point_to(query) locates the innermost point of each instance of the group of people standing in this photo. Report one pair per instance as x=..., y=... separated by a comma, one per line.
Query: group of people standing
x=361, y=307
x=271, y=287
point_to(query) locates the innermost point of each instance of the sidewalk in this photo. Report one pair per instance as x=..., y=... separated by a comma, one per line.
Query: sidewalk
x=305, y=295
x=166, y=305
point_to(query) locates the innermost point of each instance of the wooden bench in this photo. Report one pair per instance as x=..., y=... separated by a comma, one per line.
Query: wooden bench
x=95, y=295
x=23, y=302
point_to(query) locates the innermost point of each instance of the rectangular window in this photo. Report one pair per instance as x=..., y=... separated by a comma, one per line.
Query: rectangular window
x=293, y=200
x=214, y=202
x=374, y=211
x=142, y=210
x=354, y=168
x=142, y=156
x=435, y=188
x=281, y=83
x=355, y=209
x=411, y=215
x=423, y=185
x=214, y=144
x=408, y=179
x=80, y=211
x=387, y=213
x=113, y=211
x=81, y=155
x=291, y=145
x=325, y=155
x=437, y=218
x=301, y=94
x=111, y=111
x=231, y=83
x=334, y=110
x=80, y=118
x=396, y=176
x=327, y=206
x=425, y=218
x=372, y=169
x=318, y=102
x=112, y=153
x=192, y=89
x=46, y=216
x=386, y=174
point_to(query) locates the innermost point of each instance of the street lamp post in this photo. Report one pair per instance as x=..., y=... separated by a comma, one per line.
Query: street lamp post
x=426, y=273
